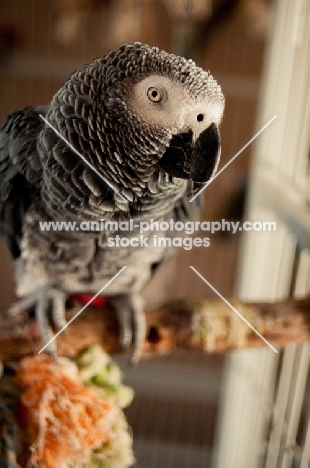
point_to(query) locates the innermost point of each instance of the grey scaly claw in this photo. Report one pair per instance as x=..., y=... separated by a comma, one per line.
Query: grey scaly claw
x=47, y=299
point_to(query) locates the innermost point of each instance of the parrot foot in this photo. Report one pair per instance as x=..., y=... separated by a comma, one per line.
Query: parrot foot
x=49, y=304
x=131, y=317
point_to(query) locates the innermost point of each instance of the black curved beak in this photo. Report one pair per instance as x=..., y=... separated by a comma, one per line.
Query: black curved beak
x=197, y=161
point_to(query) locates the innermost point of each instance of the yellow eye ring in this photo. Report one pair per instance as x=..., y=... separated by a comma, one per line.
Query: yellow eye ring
x=154, y=94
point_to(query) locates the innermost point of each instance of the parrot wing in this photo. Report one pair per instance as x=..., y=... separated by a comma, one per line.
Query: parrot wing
x=20, y=172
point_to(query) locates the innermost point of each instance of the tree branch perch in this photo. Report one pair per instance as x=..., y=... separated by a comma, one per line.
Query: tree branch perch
x=209, y=325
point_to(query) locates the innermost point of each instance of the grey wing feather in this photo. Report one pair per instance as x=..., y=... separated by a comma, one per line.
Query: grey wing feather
x=20, y=172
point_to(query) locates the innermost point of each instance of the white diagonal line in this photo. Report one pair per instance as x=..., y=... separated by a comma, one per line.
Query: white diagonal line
x=83, y=158
x=234, y=157
x=234, y=310
x=83, y=308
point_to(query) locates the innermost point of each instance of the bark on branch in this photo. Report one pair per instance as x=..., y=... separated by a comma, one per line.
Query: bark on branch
x=209, y=325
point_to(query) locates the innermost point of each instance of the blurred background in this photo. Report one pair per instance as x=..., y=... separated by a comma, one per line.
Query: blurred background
x=192, y=410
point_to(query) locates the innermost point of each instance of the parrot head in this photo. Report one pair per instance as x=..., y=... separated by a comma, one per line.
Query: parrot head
x=176, y=108
x=141, y=116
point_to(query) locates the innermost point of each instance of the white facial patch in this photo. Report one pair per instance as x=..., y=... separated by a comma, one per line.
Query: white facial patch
x=172, y=108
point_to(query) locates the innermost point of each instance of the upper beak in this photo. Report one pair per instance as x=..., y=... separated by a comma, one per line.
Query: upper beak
x=205, y=158
x=205, y=155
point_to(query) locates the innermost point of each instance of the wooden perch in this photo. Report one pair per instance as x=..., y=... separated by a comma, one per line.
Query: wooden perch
x=209, y=325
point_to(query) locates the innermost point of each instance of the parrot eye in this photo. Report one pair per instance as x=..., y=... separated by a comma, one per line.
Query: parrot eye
x=154, y=94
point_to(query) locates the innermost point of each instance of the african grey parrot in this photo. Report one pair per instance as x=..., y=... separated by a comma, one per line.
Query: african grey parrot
x=148, y=122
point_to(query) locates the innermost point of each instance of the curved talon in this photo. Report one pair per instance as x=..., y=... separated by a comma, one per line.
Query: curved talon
x=58, y=308
x=41, y=309
x=129, y=310
x=22, y=305
x=123, y=312
x=139, y=329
